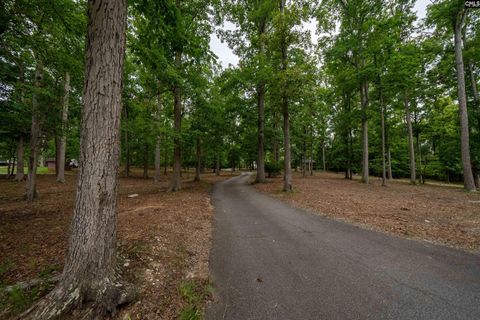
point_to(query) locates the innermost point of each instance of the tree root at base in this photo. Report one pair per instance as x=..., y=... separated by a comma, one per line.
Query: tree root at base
x=92, y=303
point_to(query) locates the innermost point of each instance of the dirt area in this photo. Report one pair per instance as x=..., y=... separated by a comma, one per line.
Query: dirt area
x=440, y=214
x=164, y=242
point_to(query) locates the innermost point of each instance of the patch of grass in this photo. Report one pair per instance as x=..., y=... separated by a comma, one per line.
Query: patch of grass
x=194, y=295
x=18, y=299
x=47, y=272
x=40, y=170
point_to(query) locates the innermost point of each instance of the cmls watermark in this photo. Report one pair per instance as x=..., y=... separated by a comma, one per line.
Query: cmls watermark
x=472, y=4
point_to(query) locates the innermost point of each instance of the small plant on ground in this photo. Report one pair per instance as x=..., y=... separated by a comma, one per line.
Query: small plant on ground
x=194, y=294
x=15, y=299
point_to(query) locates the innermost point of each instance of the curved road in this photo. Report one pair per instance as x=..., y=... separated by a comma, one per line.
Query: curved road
x=272, y=261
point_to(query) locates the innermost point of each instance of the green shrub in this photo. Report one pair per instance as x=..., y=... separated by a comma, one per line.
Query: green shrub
x=273, y=168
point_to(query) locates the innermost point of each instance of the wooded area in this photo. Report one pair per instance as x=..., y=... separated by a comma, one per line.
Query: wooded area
x=379, y=94
x=117, y=86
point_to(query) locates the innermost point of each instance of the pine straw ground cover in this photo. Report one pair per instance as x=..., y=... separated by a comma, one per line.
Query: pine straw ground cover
x=164, y=243
x=445, y=215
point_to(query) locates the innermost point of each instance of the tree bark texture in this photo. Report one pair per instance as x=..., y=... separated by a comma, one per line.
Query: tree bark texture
x=198, y=154
x=165, y=158
x=62, y=143
x=35, y=140
x=304, y=153
x=421, y=178
x=158, y=168
x=260, y=178
x=177, y=150
x=20, y=174
x=287, y=175
x=389, y=163
x=382, y=128
x=476, y=102
x=217, y=164
x=276, y=149
x=324, y=162
x=468, y=181
x=89, y=272
x=145, y=161
x=476, y=96
x=411, y=148
x=364, y=102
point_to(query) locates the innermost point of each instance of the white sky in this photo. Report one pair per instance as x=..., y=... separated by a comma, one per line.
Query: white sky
x=226, y=56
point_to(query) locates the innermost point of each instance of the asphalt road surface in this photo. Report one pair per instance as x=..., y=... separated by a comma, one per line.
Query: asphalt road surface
x=272, y=261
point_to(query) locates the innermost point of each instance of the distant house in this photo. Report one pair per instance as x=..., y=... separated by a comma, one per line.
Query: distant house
x=4, y=163
x=51, y=163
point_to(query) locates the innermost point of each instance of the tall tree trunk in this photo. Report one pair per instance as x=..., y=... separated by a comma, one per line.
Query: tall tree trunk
x=349, y=174
x=62, y=143
x=476, y=96
x=347, y=158
x=35, y=141
x=389, y=163
x=324, y=163
x=89, y=272
x=158, y=168
x=382, y=128
x=217, y=164
x=14, y=162
x=364, y=101
x=276, y=149
x=304, y=154
x=287, y=176
x=145, y=161
x=420, y=170
x=20, y=174
x=165, y=156
x=411, y=148
x=198, y=154
x=468, y=181
x=177, y=110
x=476, y=177
x=384, y=167
x=57, y=149
x=389, y=155
x=10, y=166
x=311, y=152
x=260, y=178
x=476, y=102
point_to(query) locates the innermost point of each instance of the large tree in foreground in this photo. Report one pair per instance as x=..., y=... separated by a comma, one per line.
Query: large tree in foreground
x=458, y=24
x=449, y=17
x=89, y=273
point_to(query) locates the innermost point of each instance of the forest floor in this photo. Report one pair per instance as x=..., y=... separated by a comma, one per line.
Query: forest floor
x=444, y=215
x=164, y=243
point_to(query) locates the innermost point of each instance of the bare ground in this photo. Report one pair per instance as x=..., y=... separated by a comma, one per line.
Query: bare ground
x=441, y=214
x=164, y=242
